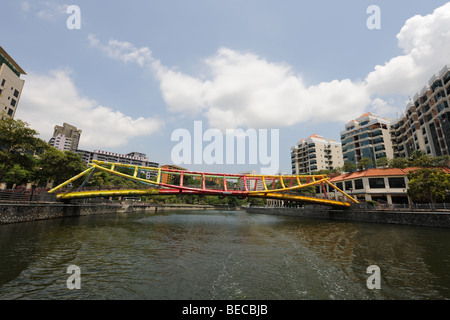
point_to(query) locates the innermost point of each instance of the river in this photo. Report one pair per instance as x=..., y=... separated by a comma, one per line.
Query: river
x=221, y=255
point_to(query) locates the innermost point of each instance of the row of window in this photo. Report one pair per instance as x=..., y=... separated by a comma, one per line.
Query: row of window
x=374, y=183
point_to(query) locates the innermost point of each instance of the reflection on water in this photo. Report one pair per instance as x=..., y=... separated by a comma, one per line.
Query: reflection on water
x=220, y=255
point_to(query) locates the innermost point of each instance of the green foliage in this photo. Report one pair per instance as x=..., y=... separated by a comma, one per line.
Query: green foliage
x=58, y=166
x=399, y=162
x=364, y=163
x=429, y=185
x=419, y=159
x=18, y=175
x=18, y=144
x=382, y=162
x=349, y=166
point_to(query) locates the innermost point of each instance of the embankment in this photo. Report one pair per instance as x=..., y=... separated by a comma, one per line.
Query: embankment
x=24, y=212
x=421, y=218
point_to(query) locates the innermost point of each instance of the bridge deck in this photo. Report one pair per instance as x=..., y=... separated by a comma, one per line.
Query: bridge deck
x=221, y=184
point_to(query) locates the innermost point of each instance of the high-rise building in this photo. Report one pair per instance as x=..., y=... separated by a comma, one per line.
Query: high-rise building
x=425, y=125
x=316, y=153
x=66, y=137
x=10, y=84
x=367, y=137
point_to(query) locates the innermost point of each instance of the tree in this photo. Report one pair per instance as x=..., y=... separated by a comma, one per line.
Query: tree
x=58, y=166
x=428, y=185
x=382, y=162
x=420, y=159
x=18, y=144
x=349, y=166
x=399, y=162
x=364, y=163
x=442, y=161
x=18, y=175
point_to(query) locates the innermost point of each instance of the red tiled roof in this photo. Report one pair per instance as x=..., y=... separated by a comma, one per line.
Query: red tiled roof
x=378, y=172
x=367, y=114
x=315, y=135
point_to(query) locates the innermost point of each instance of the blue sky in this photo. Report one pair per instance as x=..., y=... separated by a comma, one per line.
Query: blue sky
x=135, y=72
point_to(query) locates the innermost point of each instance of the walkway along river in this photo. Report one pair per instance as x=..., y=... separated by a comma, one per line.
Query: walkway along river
x=213, y=254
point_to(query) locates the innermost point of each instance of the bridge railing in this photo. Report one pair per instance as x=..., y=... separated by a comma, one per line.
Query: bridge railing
x=26, y=195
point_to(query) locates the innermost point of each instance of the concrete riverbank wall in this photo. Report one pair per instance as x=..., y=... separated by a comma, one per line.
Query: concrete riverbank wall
x=24, y=212
x=421, y=218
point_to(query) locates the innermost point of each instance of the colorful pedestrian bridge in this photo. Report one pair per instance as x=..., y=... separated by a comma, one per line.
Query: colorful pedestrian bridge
x=162, y=181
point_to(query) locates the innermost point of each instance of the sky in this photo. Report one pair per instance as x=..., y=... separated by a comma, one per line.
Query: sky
x=141, y=76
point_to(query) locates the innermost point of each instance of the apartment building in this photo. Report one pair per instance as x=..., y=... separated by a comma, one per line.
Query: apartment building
x=368, y=136
x=425, y=125
x=10, y=84
x=65, y=137
x=316, y=153
x=132, y=158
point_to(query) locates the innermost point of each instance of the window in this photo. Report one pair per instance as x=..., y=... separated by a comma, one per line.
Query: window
x=339, y=185
x=397, y=182
x=13, y=102
x=348, y=185
x=359, y=184
x=377, y=133
x=10, y=112
x=364, y=135
x=377, y=140
x=376, y=183
x=16, y=93
x=3, y=82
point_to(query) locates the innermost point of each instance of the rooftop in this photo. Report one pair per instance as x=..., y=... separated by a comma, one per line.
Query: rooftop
x=378, y=172
x=11, y=61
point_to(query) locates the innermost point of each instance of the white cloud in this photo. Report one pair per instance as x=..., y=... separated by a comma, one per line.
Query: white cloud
x=425, y=41
x=47, y=10
x=124, y=51
x=245, y=90
x=25, y=6
x=242, y=89
x=49, y=100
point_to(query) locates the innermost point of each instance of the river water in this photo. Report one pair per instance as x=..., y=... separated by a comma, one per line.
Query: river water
x=222, y=255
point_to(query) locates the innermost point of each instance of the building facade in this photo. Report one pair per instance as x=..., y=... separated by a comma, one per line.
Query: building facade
x=425, y=125
x=65, y=137
x=382, y=185
x=132, y=158
x=368, y=136
x=10, y=84
x=316, y=153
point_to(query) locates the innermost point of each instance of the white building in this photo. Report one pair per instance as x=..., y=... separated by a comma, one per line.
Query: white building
x=367, y=137
x=425, y=126
x=133, y=158
x=66, y=137
x=385, y=185
x=10, y=84
x=316, y=153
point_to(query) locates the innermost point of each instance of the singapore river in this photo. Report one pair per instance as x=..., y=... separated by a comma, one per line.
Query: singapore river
x=221, y=255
